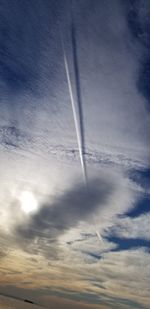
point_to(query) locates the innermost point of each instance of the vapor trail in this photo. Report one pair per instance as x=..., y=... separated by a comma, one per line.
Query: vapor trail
x=79, y=97
x=79, y=127
x=75, y=116
x=99, y=236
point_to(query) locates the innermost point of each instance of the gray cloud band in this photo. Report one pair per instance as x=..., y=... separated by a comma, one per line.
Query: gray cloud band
x=67, y=210
x=13, y=138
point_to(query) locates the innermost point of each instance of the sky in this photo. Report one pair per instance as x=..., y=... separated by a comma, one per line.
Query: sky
x=74, y=154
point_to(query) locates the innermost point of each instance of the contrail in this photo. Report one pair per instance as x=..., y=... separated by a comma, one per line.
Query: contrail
x=79, y=97
x=75, y=116
x=99, y=236
x=79, y=127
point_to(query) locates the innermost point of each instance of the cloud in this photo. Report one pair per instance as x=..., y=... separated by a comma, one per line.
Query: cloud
x=68, y=209
x=72, y=210
x=39, y=149
x=11, y=136
x=108, y=76
x=57, y=227
x=132, y=227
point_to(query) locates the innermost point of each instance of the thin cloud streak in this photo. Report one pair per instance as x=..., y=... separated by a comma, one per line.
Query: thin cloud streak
x=78, y=126
x=79, y=98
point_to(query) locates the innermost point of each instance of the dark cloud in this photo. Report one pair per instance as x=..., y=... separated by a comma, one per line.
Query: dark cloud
x=93, y=256
x=67, y=210
x=15, y=293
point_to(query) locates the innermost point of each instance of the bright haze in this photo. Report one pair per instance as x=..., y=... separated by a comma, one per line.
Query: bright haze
x=74, y=154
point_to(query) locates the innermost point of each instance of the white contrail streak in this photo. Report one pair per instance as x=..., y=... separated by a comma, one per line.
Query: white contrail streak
x=99, y=236
x=75, y=117
x=77, y=127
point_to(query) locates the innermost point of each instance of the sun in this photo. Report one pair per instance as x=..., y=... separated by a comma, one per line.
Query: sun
x=28, y=202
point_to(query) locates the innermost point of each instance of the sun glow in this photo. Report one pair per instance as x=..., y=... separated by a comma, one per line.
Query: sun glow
x=28, y=202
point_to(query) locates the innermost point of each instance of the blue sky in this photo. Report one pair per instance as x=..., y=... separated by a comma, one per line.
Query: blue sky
x=75, y=99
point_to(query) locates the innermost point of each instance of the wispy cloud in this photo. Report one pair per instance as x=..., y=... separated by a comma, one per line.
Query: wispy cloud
x=67, y=210
x=39, y=151
x=133, y=227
